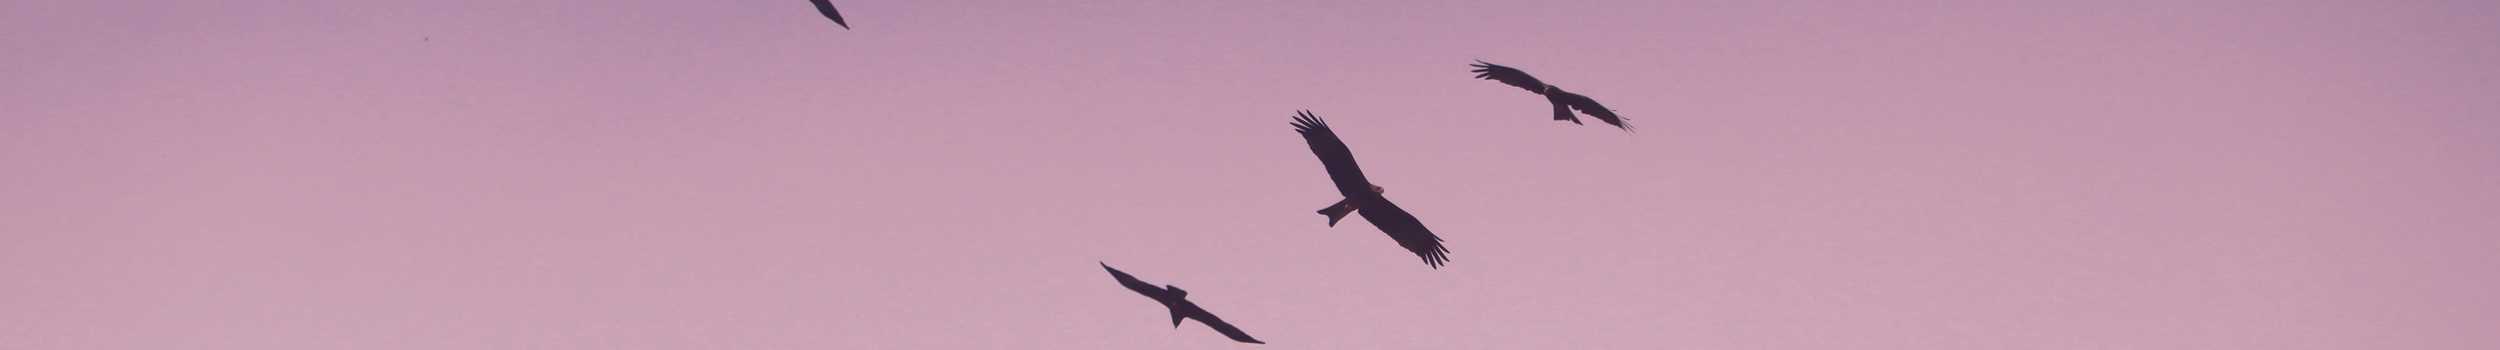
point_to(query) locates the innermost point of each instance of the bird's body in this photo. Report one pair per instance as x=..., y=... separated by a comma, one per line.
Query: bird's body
x=1563, y=101
x=826, y=7
x=1361, y=196
x=1177, y=301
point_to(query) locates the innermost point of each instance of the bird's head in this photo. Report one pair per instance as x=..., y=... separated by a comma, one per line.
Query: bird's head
x=1176, y=290
x=1376, y=189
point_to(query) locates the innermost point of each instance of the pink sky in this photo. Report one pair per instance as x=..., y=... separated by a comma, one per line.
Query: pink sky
x=514, y=174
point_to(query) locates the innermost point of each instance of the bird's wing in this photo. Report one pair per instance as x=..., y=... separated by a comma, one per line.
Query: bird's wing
x=1226, y=328
x=1148, y=289
x=1408, y=231
x=1509, y=76
x=1590, y=107
x=826, y=7
x=1333, y=154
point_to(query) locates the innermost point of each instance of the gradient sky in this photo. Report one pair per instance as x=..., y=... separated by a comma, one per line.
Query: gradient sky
x=514, y=174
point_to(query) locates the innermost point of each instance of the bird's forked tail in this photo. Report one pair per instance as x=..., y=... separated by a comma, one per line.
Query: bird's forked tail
x=1176, y=318
x=1338, y=211
x=1562, y=111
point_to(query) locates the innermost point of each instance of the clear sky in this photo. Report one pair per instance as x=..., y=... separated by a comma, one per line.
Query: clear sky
x=523, y=174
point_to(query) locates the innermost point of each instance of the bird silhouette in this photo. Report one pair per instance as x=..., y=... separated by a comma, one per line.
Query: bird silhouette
x=826, y=7
x=1363, y=196
x=1175, y=299
x=1563, y=101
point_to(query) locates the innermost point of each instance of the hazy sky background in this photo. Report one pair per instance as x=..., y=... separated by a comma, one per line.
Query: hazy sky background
x=643, y=174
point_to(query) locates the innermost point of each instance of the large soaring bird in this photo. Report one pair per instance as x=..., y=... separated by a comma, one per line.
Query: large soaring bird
x=826, y=7
x=1564, y=101
x=1361, y=195
x=1174, y=298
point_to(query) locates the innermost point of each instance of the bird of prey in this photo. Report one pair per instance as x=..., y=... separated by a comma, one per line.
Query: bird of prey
x=1363, y=196
x=1174, y=298
x=1564, y=101
x=826, y=7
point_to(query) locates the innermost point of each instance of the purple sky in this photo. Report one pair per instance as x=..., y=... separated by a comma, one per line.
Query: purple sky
x=513, y=174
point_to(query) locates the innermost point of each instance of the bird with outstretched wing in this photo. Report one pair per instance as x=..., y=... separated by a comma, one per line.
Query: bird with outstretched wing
x=1176, y=300
x=1364, y=197
x=1564, y=101
x=826, y=7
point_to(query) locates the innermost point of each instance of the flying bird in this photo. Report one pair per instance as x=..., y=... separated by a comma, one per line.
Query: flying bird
x=1174, y=298
x=826, y=7
x=1363, y=196
x=1564, y=101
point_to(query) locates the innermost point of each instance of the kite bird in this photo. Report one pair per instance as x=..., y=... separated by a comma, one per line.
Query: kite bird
x=826, y=7
x=1362, y=196
x=1174, y=298
x=1564, y=101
